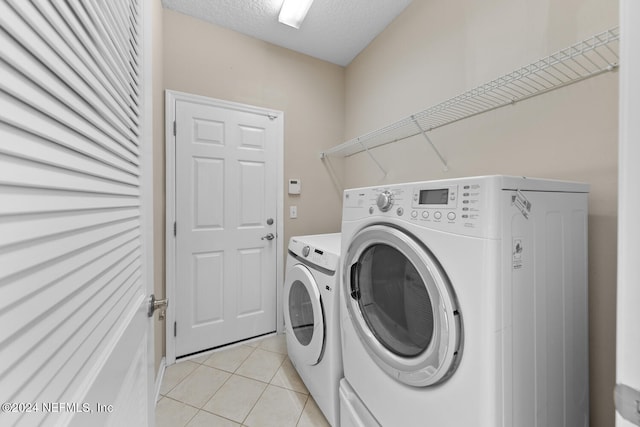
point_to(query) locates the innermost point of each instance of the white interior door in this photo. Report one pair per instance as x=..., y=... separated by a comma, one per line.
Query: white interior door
x=628, y=316
x=75, y=248
x=226, y=223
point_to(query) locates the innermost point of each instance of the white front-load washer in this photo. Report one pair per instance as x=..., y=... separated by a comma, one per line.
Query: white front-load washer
x=311, y=303
x=464, y=303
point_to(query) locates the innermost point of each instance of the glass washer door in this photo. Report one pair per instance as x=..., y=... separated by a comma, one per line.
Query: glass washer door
x=303, y=316
x=402, y=306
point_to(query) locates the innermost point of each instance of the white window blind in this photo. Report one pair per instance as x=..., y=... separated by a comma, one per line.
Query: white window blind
x=70, y=195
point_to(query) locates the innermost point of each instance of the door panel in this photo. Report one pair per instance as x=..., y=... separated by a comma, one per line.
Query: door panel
x=252, y=194
x=226, y=189
x=251, y=282
x=208, y=185
x=208, y=299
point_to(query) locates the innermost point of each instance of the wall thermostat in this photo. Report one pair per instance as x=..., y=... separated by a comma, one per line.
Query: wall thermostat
x=294, y=186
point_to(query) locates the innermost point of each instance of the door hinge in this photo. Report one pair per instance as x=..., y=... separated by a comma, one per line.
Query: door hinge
x=175, y=329
x=627, y=403
x=174, y=128
x=175, y=228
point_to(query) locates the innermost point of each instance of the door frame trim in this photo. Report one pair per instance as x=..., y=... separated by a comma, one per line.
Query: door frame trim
x=171, y=97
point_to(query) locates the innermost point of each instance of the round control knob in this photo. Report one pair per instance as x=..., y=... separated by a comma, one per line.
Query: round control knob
x=437, y=215
x=451, y=216
x=425, y=214
x=384, y=201
x=414, y=214
x=305, y=251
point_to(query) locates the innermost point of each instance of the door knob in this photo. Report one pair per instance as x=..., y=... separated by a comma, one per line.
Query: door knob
x=269, y=236
x=155, y=304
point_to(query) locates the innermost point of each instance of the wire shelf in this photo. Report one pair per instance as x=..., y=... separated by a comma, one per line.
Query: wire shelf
x=593, y=56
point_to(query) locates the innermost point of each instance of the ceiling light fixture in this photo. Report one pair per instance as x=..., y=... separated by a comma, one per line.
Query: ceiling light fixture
x=293, y=12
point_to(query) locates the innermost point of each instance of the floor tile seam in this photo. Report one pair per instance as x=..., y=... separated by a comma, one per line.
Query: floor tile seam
x=272, y=351
x=253, y=406
x=217, y=390
x=212, y=353
x=250, y=378
x=262, y=394
x=256, y=402
x=279, y=367
x=184, y=403
x=222, y=370
x=227, y=379
x=215, y=393
x=178, y=383
x=244, y=359
x=306, y=395
x=222, y=416
x=303, y=408
x=272, y=376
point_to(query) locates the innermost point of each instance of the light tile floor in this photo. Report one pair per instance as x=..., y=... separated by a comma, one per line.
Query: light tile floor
x=252, y=384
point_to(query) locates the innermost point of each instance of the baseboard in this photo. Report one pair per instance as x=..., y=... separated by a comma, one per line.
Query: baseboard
x=159, y=377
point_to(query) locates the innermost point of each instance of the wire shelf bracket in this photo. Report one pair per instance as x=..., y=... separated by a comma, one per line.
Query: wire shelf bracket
x=593, y=56
x=424, y=133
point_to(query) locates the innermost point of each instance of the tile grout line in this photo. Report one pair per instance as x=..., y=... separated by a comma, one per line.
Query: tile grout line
x=263, y=391
x=273, y=350
x=186, y=404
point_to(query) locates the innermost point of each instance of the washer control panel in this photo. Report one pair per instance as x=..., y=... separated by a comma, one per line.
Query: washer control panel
x=431, y=202
x=444, y=205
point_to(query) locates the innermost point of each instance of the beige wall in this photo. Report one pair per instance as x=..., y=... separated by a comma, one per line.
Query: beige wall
x=158, y=172
x=437, y=49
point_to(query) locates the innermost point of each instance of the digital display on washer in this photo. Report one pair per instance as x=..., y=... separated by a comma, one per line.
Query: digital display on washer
x=434, y=197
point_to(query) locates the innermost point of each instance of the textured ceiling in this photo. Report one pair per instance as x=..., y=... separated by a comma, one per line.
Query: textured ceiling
x=334, y=30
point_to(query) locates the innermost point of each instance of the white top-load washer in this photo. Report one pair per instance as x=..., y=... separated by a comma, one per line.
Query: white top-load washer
x=464, y=303
x=311, y=302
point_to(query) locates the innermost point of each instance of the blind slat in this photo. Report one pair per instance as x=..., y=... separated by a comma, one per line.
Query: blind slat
x=22, y=259
x=76, y=56
x=28, y=119
x=47, y=69
x=18, y=172
x=35, y=280
x=19, y=143
x=23, y=200
x=112, y=82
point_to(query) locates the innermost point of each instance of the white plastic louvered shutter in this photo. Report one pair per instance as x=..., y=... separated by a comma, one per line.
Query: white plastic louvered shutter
x=71, y=264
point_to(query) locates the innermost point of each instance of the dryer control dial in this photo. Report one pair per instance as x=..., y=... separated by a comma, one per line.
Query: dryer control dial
x=305, y=251
x=385, y=201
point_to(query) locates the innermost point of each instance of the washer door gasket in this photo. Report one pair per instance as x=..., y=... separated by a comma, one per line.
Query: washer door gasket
x=402, y=306
x=303, y=315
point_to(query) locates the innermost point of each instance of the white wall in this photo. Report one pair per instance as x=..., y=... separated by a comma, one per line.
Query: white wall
x=628, y=345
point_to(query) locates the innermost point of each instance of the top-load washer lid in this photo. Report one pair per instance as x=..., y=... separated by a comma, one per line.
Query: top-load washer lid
x=318, y=250
x=402, y=306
